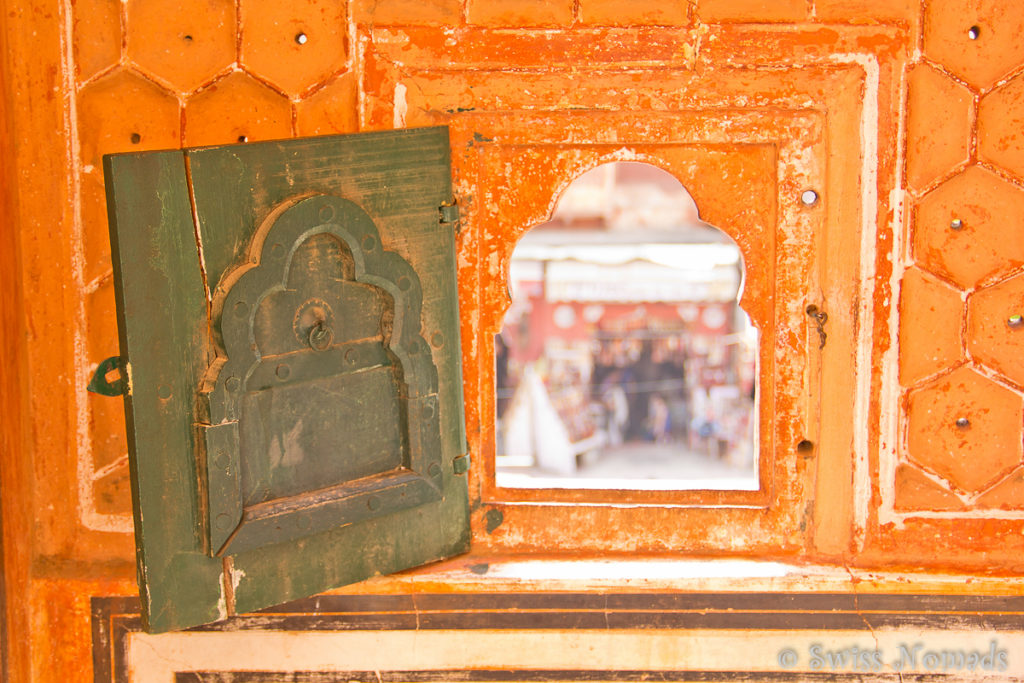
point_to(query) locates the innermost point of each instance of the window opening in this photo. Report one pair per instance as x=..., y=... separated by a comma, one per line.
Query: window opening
x=625, y=361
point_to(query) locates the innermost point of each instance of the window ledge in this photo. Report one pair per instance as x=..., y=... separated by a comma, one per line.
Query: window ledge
x=491, y=573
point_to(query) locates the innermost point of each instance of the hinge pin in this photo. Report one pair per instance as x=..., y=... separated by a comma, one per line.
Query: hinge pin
x=449, y=214
x=820, y=317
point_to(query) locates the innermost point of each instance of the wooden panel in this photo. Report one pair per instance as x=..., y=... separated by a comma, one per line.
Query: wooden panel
x=321, y=364
x=162, y=326
x=286, y=410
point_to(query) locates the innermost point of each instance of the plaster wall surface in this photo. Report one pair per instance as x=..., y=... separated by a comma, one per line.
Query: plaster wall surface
x=904, y=116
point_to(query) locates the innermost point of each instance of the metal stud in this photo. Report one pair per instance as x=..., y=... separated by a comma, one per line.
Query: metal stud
x=963, y=422
x=956, y=224
x=301, y=38
x=1015, y=320
x=974, y=32
x=809, y=197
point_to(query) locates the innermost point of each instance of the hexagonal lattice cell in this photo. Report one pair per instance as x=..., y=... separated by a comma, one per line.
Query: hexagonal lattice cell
x=938, y=124
x=95, y=233
x=107, y=434
x=978, y=40
x=294, y=45
x=970, y=229
x=965, y=428
x=1001, y=126
x=186, y=43
x=124, y=112
x=97, y=35
x=236, y=108
x=995, y=328
x=931, y=316
x=332, y=109
x=1006, y=495
x=406, y=12
x=914, y=490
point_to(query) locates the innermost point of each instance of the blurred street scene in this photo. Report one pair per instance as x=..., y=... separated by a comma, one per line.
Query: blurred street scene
x=625, y=360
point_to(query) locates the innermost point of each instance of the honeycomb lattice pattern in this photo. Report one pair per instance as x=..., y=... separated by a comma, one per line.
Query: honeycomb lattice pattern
x=150, y=75
x=961, y=334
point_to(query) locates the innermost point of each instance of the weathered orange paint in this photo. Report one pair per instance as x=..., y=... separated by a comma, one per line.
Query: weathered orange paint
x=978, y=41
x=1000, y=115
x=331, y=110
x=236, y=108
x=964, y=427
x=931, y=312
x=916, y=490
x=866, y=11
x=938, y=130
x=747, y=103
x=976, y=251
x=407, y=12
x=517, y=13
x=184, y=47
x=295, y=46
x=98, y=22
x=626, y=13
x=15, y=435
x=994, y=336
x=752, y=10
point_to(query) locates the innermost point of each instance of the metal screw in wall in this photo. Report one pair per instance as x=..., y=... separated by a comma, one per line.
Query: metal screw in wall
x=963, y=422
x=809, y=197
x=956, y=224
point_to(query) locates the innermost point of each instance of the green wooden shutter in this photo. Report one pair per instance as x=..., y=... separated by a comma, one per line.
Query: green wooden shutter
x=289, y=330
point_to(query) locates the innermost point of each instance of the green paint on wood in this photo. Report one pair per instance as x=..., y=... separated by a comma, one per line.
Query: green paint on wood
x=161, y=308
x=311, y=427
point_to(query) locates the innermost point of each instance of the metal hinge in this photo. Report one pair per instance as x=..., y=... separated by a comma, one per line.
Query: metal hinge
x=99, y=383
x=449, y=214
x=461, y=463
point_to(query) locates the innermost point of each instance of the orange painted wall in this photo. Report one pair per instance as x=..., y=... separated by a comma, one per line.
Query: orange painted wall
x=890, y=108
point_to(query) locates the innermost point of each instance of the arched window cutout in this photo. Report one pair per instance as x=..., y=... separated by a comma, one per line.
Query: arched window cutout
x=625, y=361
